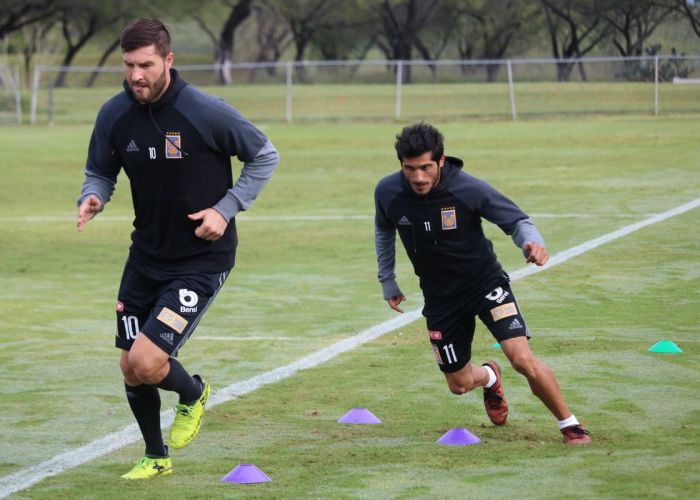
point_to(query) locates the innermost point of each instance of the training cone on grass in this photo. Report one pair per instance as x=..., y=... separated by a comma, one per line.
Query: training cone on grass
x=359, y=416
x=246, y=473
x=496, y=345
x=459, y=436
x=665, y=346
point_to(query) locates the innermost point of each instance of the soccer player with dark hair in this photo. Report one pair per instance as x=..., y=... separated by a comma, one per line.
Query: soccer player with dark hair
x=175, y=144
x=437, y=210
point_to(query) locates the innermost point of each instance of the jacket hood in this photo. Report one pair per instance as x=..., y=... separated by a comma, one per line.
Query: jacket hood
x=450, y=168
x=176, y=85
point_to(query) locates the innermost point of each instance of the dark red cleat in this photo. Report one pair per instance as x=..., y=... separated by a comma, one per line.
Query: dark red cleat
x=576, y=434
x=494, y=401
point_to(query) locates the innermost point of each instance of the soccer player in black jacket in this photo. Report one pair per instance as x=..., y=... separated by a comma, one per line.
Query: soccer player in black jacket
x=175, y=145
x=437, y=210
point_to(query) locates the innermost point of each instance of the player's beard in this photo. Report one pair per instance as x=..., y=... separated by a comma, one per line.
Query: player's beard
x=156, y=88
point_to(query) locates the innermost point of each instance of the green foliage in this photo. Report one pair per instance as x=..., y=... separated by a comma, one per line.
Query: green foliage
x=668, y=68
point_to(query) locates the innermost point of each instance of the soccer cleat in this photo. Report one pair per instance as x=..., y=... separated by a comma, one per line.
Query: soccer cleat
x=494, y=401
x=147, y=468
x=188, y=418
x=576, y=434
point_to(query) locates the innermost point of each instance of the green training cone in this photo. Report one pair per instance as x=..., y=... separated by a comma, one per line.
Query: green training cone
x=496, y=345
x=665, y=346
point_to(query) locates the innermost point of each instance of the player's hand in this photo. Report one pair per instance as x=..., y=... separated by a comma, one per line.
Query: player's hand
x=87, y=210
x=536, y=254
x=395, y=301
x=213, y=224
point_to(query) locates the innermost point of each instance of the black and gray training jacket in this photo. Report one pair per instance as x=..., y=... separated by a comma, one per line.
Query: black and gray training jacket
x=177, y=154
x=442, y=233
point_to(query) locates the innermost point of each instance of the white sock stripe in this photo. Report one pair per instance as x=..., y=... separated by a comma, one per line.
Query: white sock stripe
x=492, y=376
x=567, y=422
x=29, y=476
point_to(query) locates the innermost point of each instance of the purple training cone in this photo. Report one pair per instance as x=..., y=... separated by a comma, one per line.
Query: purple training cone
x=459, y=436
x=359, y=416
x=246, y=473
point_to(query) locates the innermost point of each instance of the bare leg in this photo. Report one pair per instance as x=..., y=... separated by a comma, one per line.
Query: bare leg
x=542, y=381
x=468, y=378
x=146, y=361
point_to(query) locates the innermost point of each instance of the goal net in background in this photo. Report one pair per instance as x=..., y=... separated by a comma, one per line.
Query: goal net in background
x=10, y=97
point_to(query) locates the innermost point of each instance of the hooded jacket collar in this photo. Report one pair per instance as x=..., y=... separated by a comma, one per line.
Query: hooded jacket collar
x=176, y=85
x=450, y=169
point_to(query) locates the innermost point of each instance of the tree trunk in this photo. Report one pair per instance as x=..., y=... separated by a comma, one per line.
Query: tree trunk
x=492, y=71
x=224, y=52
x=74, y=48
x=101, y=62
x=564, y=71
x=67, y=60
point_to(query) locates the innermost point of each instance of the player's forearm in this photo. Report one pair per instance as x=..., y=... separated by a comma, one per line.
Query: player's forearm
x=254, y=176
x=385, y=245
x=526, y=232
x=100, y=186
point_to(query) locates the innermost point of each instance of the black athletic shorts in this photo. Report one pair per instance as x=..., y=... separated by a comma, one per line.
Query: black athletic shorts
x=451, y=326
x=165, y=306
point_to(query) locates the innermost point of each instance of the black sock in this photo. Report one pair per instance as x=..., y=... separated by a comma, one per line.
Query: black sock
x=144, y=401
x=178, y=380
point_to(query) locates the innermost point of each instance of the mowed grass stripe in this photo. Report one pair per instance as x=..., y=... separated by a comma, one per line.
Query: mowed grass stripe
x=27, y=477
x=39, y=219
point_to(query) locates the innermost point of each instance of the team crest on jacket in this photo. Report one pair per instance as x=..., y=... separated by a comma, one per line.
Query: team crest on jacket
x=448, y=216
x=173, y=145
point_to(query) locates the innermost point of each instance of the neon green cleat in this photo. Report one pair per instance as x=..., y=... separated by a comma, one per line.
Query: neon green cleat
x=188, y=419
x=147, y=468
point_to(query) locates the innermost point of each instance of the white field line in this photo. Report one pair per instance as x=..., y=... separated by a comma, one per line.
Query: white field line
x=38, y=219
x=29, y=476
x=240, y=339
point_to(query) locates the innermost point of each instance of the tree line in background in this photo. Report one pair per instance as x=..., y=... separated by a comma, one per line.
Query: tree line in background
x=271, y=30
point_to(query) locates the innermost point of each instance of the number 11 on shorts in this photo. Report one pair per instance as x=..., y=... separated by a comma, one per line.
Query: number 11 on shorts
x=450, y=353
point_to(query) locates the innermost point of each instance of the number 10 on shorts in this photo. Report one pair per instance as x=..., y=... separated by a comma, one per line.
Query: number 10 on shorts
x=131, y=326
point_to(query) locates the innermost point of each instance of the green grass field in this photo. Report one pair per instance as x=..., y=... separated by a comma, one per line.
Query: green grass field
x=303, y=282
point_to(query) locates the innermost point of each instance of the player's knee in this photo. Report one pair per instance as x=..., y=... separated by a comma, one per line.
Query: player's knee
x=125, y=367
x=148, y=371
x=525, y=364
x=130, y=377
x=461, y=385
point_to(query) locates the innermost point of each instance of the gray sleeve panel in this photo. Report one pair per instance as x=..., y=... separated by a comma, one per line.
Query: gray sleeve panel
x=254, y=176
x=223, y=128
x=390, y=288
x=103, y=164
x=102, y=187
x=385, y=245
x=526, y=232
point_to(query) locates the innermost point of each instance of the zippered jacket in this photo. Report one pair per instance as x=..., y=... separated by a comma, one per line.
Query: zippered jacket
x=177, y=154
x=442, y=232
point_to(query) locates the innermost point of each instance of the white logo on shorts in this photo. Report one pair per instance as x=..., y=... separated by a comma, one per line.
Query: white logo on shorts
x=498, y=295
x=189, y=300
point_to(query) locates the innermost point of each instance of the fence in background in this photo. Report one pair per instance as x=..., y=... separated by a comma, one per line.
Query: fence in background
x=10, y=95
x=385, y=90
